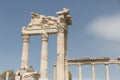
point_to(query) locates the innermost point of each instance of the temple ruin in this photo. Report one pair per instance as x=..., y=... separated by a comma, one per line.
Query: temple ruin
x=49, y=25
x=45, y=26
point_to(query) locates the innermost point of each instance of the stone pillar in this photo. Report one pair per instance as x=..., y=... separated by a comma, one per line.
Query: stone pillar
x=25, y=51
x=7, y=76
x=61, y=56
x=93, y=72
x=44, y=57
x=107, y=71
x=66, y=71
x=66, y=58
x=55, y=71
x=80, y=71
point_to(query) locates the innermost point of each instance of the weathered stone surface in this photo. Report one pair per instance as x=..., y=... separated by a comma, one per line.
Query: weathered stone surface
x=24, y=62
x=44, y=26
x=50, y=24
x=44, y=57
x=27, y=73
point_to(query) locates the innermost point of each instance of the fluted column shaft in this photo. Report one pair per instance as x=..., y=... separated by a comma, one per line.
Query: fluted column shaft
x=107, y=71
x=93, y=72
x=24, y=62
x=80, y=71
x=61, y=56
x=66, y=57
x=44, y=57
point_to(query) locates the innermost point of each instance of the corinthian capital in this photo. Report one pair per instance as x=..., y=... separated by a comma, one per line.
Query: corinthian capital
x=25, y=38
x=62, y=29
x=44, y=36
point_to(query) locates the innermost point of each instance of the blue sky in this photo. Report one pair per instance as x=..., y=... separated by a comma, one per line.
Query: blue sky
x=95, y=32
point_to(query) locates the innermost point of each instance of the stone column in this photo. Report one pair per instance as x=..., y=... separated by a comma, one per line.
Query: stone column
x=44, y=57
x=7, y=76
x=80, y=71
x=66, y=71
x=93, y=72
x=25, y=51
x=61, y=54
x=55, y=71
x=107, y=71
x=66, y=58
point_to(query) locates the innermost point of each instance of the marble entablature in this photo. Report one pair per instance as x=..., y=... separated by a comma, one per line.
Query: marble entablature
x=40, y=22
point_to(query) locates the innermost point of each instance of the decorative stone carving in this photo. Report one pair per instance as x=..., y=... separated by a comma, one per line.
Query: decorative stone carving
x=27, y=78
x=64, y=16
x=25, y=38
x=49, y=22
x=61, y=30
x=44, y=36
x=30, y=77
x=44, y=25
x=27, y=73
x=42, y=22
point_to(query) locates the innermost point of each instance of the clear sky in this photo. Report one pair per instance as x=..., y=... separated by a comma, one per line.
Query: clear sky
x=95, y=32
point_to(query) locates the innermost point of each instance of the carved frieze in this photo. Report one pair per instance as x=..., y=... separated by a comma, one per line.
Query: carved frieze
x=42, y=22
x=48, y=22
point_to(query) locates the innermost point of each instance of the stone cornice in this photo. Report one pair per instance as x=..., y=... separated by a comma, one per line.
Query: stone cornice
x=41, y=22
x=91, y=61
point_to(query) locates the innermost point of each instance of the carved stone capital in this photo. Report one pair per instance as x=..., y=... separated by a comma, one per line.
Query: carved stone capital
x=25, y=38
x=64, y=16
x=61, y=30
x=44, y=37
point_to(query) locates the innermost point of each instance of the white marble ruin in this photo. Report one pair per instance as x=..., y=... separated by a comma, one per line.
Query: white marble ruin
x=93, y=61
x=45, y=26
